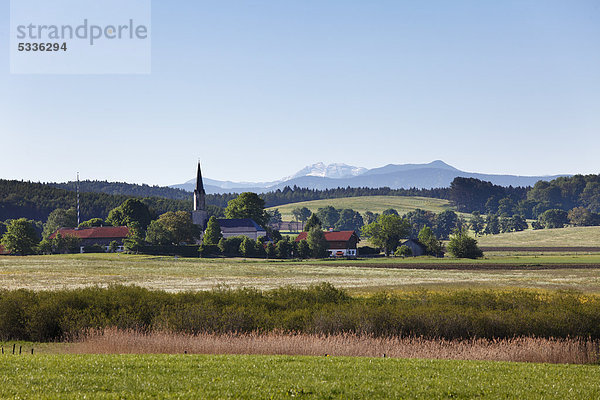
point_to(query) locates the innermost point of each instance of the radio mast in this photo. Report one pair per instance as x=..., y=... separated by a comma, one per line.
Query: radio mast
x=78, y=200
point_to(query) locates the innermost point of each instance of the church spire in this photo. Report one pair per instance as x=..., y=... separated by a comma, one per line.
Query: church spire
x=199, y=183
x=199, y=193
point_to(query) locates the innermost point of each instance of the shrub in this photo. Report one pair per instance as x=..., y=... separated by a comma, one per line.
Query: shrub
x=271, y=251
x=461, y=245
x=368, y=251
x=231, y=246
x=113, y=246
x=209, y=250
x=95, y=248
x=403, y=251
x=54, y=315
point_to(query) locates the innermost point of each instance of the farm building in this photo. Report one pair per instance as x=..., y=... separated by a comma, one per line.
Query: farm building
x=291, y=226
x=241, y=227
x=101, y=235
x=3, y=251
x=340, y=244
x=415, y=247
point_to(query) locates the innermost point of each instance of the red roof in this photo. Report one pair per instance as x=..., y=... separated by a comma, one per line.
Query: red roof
x=3, y=250
x=101, y=232
x=341, y=236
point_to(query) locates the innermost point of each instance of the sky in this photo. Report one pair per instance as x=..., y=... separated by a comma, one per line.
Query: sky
x=257, y=90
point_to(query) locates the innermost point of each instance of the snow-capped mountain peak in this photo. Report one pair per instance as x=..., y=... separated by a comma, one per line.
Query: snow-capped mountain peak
x=328, y=171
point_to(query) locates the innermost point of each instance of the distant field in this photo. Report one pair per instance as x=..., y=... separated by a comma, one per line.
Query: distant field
x=167, y=273
x=375, y=204
x=263, y=377
x=588, y=236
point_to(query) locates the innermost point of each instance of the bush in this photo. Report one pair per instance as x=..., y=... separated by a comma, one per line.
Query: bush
x=283, y=248
x=209, y=250
x=303, y=249
x=403, y=251
x=95, y=248
x=113, y=246
x=247, y=247
x=170, y=250
x=461, y=245
x=368, y=251
x=271, y=252
x=231, y=246
x=55, y=315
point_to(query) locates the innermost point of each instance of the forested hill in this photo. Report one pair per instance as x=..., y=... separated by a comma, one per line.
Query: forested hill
x=37, y=200
x=127, y=189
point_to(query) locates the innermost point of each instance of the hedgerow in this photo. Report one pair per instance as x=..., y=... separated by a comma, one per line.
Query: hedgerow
x=55, y=315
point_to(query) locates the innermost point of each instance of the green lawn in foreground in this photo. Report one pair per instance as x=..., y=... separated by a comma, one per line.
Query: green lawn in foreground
x=375, y=204
x=168, y=273
x=265, y=377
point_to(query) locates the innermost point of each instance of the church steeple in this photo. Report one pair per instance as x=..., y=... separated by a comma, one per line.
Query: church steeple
x=199, y=193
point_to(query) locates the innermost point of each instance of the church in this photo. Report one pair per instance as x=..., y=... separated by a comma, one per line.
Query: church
x=229, y=227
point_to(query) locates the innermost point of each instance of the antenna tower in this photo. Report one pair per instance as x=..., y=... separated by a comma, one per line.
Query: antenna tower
x=78, y=222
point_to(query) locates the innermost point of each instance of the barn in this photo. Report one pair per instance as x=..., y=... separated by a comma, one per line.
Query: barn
x=101, y=235
x=415, y=247
x=339, y=243
x=241, y=227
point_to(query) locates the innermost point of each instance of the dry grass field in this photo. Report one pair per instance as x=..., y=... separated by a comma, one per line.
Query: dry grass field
x=581, y=236
x=580, y=273
x=114, y=341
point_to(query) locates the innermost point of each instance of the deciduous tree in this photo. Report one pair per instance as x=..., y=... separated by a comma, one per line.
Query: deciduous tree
x=461, y=245
x=20, y=237
x=387, y=232
x=60, y=218
x=248, y=205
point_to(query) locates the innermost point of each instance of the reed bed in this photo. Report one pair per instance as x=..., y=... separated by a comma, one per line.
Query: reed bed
x=521, y=349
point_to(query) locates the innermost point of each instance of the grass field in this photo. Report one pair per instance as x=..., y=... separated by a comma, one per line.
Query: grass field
x=376, y=204
x=264, y=377
x=582, y=236
x=168, y=273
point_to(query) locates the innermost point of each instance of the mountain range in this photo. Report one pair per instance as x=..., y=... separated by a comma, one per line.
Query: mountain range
x=435, y=174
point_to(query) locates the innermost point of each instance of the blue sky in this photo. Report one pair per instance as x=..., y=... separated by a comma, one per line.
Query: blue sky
x=259, y=89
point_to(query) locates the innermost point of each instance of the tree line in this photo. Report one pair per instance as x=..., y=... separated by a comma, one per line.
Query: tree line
x=35, y=201
x=563, y=201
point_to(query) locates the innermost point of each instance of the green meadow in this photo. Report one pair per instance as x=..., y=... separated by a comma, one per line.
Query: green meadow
x=267, y=377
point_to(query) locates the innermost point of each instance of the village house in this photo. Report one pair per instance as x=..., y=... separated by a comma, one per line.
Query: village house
x=290, y=226
x=241, y=227
x=339, y=244
x=102, y=235
x=416, y=248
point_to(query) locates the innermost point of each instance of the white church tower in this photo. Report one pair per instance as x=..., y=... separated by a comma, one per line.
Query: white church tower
x=199, y=215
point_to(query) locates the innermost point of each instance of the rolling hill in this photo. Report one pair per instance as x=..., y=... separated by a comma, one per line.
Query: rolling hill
x=375, y=204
